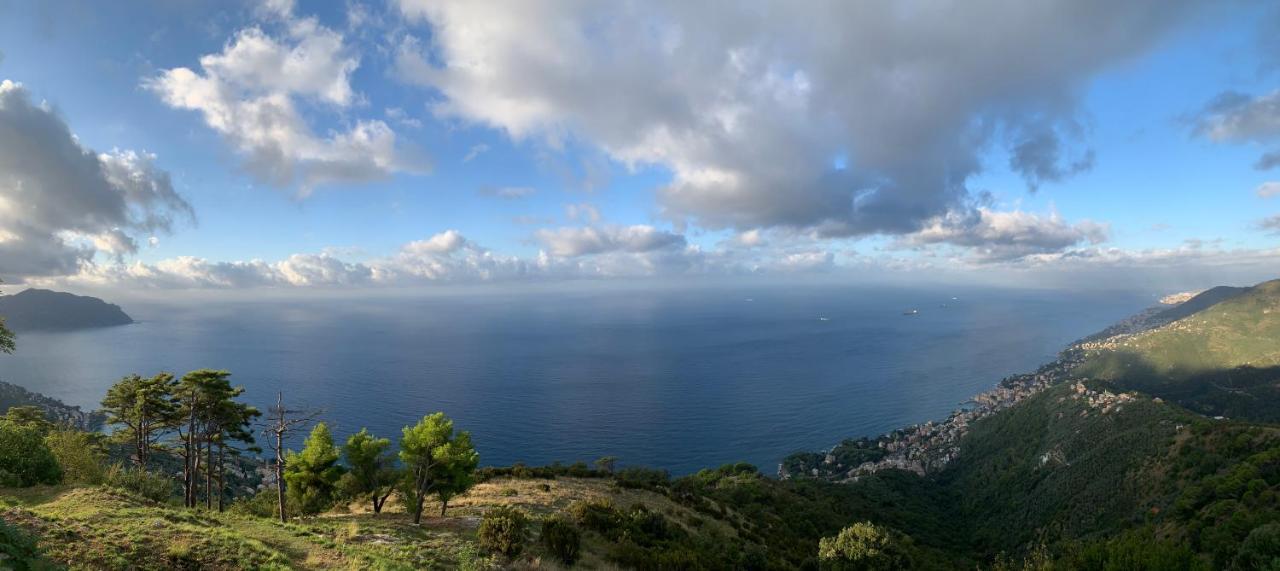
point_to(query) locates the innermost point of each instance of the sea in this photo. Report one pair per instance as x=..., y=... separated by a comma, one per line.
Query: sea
x=673, y=378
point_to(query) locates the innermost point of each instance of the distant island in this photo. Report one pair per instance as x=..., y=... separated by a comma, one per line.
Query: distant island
x=45, y=310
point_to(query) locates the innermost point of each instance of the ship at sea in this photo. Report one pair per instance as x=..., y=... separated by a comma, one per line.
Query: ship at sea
x=911, y=312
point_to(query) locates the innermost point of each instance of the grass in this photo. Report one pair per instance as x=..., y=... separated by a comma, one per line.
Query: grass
x=100, y=528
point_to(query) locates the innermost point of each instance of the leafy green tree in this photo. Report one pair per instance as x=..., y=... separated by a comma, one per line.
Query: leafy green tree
x=426, y=453
x=25, y=459
x=209, y=420
x=455, y=472
x=864, y=546
x=372, y=466
x=1261, y=549
x=311, y=476
x=78, y=453
x=29, y=415
x=142, y=408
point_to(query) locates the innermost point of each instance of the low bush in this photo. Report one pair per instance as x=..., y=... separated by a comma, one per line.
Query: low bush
x=78, y=453
x=562, y=539
x=503, y=530
x=155, y=487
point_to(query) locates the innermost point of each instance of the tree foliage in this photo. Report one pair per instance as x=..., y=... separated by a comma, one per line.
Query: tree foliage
x=311, y=476
x=864, y=546
x=372, y=468
x=142, y=408
x=434, y=459
x=25, y=459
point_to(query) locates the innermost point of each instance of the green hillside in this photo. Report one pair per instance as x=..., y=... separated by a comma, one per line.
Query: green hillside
x=1222, y=360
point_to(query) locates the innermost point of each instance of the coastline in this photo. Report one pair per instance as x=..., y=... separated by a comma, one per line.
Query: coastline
x=928, y=447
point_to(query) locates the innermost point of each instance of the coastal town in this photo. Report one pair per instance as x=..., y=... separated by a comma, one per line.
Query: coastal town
x=928, y=447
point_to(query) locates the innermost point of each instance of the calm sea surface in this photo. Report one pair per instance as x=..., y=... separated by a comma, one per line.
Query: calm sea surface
x=675, y=379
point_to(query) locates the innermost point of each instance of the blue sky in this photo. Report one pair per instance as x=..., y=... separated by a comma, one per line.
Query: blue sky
x=589, y=141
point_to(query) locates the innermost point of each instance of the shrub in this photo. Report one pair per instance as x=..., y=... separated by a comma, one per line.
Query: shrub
x=26, y=457
x=596, y=515
x=864, y=545
x=265, y=503
x=562, y=539
x=644, y=478
x=78, y=455
x=155, y=487
x=19, y=550
x=509, y=492
x=503, y=530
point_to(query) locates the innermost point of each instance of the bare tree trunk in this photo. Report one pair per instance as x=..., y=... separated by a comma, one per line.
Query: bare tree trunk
x=222, y=475
x=444, y=505
x=208, y=476
x=280, y=474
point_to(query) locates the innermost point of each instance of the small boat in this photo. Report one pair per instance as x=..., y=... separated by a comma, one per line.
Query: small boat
x=911, y=312
x=824, y=319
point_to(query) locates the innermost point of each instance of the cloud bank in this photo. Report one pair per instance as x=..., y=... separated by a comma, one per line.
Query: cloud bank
x=847, y=118
x=61, y=203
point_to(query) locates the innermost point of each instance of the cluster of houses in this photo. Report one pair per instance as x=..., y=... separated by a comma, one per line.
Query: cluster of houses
x=928, y=447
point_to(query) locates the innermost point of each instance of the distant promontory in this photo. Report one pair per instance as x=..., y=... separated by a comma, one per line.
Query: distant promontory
x=44, y=310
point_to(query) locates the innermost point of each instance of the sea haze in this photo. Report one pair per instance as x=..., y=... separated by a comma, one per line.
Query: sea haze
x=675, y=379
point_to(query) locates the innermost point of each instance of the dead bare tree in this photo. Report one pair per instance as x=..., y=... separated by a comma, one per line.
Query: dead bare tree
x=281, y=422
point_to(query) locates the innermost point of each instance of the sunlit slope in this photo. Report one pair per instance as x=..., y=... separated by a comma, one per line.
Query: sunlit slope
x=1221, y=360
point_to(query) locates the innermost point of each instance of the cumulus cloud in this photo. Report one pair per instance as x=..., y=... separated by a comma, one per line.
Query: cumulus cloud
x=250, y=94
x=579, y=241
x=1234, y=117
x=994, y=236
x=1268, y=189
x=60, y=202
x=750, y=105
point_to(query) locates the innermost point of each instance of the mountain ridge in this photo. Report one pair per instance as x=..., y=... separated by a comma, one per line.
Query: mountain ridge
x=47, y=310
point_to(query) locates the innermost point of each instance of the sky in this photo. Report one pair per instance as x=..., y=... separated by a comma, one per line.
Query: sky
x=247, y=144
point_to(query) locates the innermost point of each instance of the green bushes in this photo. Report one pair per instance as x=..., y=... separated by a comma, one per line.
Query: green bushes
x=154, y=487
x=25, y=458
x=561, y=539
x=503, y=530
x=79, y=455
x=865, y=546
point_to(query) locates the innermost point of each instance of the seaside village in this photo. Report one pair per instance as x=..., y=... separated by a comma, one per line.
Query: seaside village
x=928, y=447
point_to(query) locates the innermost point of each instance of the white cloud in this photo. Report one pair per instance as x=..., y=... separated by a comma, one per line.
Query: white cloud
x=60, y=203
x=571, y=242
x=475, y=151
x=250, y=94
x=1002, y=236
x=1268, y=189
x=748, y=105
x=585, y=212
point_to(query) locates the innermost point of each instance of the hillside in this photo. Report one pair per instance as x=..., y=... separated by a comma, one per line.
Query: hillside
x=56, y=411
x=1223, y=360
x=44, y=310
x=719, y=519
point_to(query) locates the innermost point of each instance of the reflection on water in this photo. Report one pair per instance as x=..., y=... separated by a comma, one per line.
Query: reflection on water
x=681, y=380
